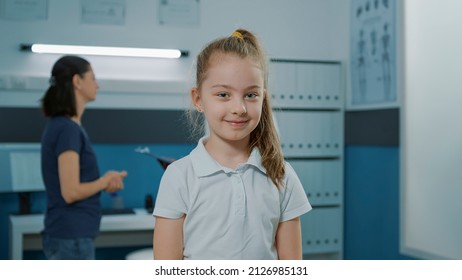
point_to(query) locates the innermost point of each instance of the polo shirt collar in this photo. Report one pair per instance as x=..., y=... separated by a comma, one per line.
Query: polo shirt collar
x=205, y=165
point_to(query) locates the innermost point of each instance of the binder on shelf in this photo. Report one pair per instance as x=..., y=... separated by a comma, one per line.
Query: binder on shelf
x=307, y=171
x=306, y=83
x=282, y=83
x=307, y=222
x=331, y=229
x=299, y=85
x=305, y=134
x=334, y=86
x=321, y=230
x=332, y=181
x=321, y=179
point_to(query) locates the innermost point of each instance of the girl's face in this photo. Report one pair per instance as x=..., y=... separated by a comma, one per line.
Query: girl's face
x=87, y=86
x=231, y=97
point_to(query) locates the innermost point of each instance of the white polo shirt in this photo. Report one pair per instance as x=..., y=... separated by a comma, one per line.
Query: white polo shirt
x=230, y=214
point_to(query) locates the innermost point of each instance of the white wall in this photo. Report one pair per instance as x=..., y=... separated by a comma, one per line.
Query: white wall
x=298, y=29
x=431, y=130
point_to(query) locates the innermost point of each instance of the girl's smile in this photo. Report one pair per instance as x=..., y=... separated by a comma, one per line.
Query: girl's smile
x=237, y=123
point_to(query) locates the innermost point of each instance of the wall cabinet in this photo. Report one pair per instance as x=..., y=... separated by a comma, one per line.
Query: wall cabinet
x=308, y=104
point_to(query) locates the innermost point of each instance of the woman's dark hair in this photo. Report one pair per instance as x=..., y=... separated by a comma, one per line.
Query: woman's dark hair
x=59, y=99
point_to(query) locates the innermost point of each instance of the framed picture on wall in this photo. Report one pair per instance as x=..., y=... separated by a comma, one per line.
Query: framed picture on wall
x=180, y=13
x=24, y=10
x=373, y=55
x=105, y=12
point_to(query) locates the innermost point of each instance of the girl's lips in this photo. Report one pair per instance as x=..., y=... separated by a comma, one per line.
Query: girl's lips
x=237, y=122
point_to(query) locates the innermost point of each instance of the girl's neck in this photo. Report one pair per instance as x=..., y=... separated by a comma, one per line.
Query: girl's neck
x=228, y=153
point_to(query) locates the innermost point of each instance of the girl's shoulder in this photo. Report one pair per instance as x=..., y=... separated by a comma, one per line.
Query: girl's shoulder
x=179, y=173
x=180, y=165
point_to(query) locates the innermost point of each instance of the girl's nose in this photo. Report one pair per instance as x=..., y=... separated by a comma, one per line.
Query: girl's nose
x=239, y=107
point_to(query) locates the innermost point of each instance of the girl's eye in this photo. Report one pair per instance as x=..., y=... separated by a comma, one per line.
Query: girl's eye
x=251, y=95
x=222, y=94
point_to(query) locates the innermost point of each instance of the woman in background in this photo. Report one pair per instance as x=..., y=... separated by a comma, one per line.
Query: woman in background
x=69, y=167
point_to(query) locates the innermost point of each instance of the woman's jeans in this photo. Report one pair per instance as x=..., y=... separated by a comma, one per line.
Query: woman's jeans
x=68, y=249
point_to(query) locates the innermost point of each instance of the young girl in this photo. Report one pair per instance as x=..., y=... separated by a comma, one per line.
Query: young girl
x=233, y=196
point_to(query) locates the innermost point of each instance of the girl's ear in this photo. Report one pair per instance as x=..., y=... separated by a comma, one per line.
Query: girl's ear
x=76, y=81
x=196, y=99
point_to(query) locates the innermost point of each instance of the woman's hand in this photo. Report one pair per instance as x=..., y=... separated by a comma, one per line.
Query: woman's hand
x=114, y=181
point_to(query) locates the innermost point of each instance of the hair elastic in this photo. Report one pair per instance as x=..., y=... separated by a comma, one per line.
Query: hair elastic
x=237, y=34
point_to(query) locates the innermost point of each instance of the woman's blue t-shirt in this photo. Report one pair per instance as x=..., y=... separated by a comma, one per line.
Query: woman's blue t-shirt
x=82, y=218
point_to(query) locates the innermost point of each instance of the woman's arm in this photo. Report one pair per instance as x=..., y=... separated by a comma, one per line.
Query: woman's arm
x=73, y=190
x=168, y=239
x=289, y=240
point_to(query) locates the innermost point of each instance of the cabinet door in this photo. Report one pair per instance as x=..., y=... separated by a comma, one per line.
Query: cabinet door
x=321, y=83
x=322, y=230
x=321, y=178
x=307, y=134
x=298, y=85
x=282, y=78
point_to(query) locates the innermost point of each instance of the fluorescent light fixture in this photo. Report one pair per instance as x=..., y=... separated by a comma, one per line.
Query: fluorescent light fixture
x=106, y=51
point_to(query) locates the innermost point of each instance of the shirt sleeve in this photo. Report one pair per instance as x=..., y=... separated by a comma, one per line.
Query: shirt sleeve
x=69, y=138
x=294, y=200
x=171, y=201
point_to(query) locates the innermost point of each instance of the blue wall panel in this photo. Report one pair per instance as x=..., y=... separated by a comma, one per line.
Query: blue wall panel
x=372, y=203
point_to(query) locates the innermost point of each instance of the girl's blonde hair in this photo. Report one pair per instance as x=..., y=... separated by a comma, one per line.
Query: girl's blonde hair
x=245, y=44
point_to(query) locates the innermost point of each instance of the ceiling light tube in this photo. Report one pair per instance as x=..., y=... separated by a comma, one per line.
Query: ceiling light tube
x=106, y=51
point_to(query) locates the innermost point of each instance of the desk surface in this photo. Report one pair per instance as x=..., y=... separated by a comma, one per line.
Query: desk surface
x=22, y=226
